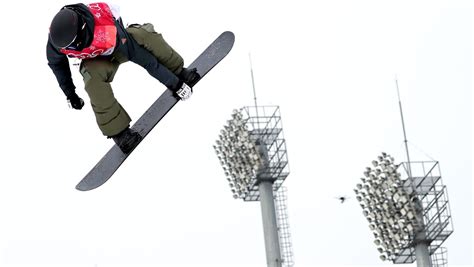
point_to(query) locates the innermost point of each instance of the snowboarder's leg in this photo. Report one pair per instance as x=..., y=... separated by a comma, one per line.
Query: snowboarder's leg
x=146, y=36
x=110, y=115
x=141, y=56
x=153, y=53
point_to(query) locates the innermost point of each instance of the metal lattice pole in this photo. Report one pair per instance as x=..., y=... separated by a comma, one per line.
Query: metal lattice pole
x=286, y=246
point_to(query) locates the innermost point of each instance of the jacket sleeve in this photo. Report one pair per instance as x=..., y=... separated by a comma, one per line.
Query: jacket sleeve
x=59, y=64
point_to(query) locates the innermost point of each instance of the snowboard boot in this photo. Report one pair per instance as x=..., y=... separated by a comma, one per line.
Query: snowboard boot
x=189, y=76
x=127, y=140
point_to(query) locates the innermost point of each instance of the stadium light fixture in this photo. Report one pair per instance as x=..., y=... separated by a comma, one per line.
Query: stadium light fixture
x=238, y=155
x=386, y=206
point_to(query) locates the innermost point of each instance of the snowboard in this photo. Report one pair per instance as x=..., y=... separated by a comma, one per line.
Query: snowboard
x=114, y=158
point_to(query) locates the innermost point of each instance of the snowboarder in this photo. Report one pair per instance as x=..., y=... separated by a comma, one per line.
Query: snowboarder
x=95, y=34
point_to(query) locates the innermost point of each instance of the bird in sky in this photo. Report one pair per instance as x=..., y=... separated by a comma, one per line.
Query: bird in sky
x=342, y=198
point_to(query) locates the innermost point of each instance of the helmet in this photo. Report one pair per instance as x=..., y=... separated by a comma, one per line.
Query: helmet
x=65, y=28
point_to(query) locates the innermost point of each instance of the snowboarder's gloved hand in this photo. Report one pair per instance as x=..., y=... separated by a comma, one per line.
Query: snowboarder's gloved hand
x=75, y=101
x=189, y=76
x=184, y=91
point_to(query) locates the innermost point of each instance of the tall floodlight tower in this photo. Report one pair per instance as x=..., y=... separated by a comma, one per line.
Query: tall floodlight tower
x=252, y=152
x=407, y=208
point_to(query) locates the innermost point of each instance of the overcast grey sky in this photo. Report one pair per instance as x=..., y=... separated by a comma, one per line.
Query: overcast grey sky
x=329, y=65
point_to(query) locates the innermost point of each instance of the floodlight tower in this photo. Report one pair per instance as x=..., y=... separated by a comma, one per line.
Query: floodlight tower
x=407, y=208
x=252, y=151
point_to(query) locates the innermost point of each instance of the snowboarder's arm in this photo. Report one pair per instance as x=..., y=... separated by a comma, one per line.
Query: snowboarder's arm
x=59, y=64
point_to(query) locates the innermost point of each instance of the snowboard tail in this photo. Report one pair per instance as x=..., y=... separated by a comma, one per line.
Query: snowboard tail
x=114, y=158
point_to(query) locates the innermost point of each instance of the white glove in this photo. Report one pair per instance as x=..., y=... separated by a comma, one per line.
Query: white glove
x=184, y=92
